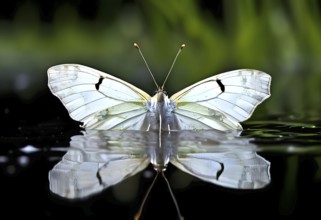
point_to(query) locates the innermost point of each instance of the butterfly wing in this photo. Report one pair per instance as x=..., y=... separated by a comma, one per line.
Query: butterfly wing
x=98, y=160
x=238, y=170
x=97, y=99
x=75, y=177
x=221, y=101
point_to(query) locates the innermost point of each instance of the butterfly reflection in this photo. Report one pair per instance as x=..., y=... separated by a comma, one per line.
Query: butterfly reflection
x=97, y=160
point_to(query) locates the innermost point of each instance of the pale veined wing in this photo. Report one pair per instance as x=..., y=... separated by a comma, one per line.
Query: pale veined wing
x=97, y=99
x=238, y=170
x=75, y=178
x=221, y=158
x=97, y=161
x=221, y=101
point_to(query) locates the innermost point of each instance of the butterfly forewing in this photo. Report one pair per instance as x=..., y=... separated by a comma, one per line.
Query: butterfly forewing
x=92, y=96
x=222, y=101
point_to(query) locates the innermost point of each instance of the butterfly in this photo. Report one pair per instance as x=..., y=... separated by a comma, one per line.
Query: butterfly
x=104, y=102
x=99, y=159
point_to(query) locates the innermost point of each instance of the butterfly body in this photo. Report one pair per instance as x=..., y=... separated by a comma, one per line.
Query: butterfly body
x=104, y=102
x=160, y=110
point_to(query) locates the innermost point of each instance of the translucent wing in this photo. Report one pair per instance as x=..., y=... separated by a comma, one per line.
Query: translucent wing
x=77, y=177
x=239, y=170
x=97, y=99
x=97, y=161
x=221, y=101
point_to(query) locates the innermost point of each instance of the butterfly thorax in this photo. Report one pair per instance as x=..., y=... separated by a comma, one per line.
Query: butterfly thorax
x=161, y=108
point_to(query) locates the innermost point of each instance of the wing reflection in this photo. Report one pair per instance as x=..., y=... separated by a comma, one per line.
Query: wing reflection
x=100, y=159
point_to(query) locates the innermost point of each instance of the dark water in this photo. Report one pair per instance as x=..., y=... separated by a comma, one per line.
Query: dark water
x=292, y=146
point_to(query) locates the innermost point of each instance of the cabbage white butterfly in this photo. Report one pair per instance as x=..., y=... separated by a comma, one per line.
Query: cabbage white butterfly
x=103, y=102
x=99, y=159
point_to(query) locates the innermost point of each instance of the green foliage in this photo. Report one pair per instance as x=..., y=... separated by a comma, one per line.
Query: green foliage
x=281, y=38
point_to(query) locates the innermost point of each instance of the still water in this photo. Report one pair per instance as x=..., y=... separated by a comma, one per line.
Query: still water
x=271, y=169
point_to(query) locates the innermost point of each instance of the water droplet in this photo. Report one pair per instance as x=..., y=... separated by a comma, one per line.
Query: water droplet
x=23, y=161
x=29, y=149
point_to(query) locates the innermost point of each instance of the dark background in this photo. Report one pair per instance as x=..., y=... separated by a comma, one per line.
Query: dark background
x=281, y=38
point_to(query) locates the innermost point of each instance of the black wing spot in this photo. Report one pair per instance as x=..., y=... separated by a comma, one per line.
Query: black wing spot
x=99, y=178
x=219, y=172
x=99, y=82
x=222, y=87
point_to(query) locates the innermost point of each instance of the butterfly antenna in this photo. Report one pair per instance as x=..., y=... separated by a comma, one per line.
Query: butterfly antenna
x=170, y=70
x=139, y=212
x=150, y=72
x=173, y=197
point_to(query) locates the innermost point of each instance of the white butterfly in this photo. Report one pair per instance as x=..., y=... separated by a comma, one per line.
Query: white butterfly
x=97, y=160
x=102, y=101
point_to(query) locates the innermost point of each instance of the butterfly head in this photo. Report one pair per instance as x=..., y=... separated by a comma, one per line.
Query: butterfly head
x=161, y=95
x=160, y=167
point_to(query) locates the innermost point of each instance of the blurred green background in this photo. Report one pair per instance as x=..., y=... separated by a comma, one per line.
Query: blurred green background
x=282, y=38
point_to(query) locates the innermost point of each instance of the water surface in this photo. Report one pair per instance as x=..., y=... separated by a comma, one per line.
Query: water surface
x=290, y=144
